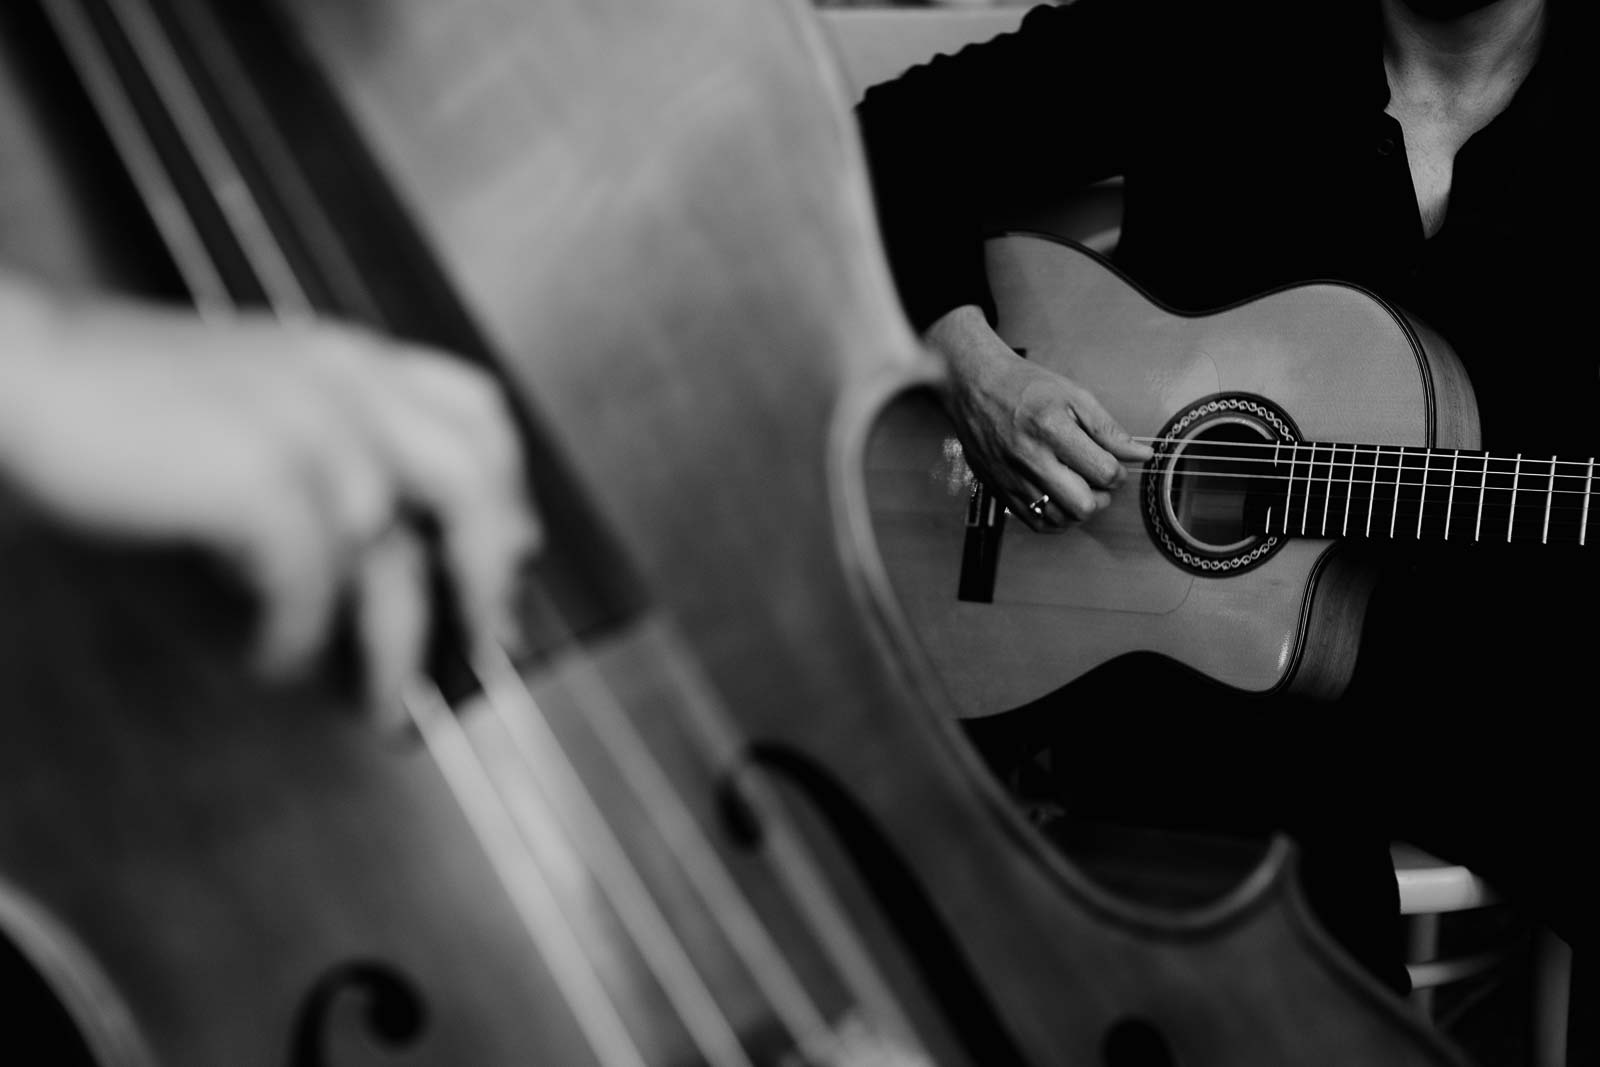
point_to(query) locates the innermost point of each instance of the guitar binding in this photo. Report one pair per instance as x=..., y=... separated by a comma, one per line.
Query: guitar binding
x=1225, y=530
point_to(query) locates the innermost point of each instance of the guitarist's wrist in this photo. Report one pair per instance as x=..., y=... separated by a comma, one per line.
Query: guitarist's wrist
x=963, y=337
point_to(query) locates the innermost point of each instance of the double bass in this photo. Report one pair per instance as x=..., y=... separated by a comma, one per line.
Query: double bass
x=716, y=813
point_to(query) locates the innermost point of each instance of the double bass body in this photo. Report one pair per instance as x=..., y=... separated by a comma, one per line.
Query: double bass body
x=653, y=219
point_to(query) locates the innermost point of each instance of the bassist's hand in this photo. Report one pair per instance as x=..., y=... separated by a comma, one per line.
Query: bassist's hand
x=298, y=454
x=1027, y=431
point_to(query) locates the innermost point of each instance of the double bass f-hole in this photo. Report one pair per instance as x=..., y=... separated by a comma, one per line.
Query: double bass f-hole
x=392, y=1009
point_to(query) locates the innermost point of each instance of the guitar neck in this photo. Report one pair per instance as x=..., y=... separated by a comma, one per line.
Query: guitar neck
x=1385, y=491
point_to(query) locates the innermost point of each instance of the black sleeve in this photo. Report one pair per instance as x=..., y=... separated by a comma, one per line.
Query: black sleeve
x=997, y=126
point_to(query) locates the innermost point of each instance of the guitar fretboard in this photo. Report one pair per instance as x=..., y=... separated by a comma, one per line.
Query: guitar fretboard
x=1345, y=490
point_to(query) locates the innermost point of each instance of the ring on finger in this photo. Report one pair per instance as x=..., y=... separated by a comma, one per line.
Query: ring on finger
x=1038, y=506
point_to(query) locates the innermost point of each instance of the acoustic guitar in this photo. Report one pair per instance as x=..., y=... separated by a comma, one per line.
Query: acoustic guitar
x=1282, y=427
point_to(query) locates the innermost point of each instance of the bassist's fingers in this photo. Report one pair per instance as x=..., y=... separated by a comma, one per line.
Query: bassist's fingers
x=392, y=618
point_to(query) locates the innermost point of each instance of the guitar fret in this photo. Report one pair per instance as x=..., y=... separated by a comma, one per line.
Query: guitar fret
x=1583, y=522
x=1483, y=487
x=1372, y=492
x=1399, y=464
x=1450, y=498
x=1422, y=500
x=1549, y=495
x=1276, y=448
x=1311, y=471
x=1349, y=491
x=1327, y=491
x=1323, y=483
x=1288, y=496
x=1511, y=516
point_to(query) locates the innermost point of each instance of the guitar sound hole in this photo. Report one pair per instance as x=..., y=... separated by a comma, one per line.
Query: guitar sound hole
x=1218, y=485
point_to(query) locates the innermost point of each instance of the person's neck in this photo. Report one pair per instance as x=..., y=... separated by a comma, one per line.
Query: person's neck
x=1425, y=45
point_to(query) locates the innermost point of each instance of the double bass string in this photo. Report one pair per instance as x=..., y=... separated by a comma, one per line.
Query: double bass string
x=525, y=722
x=516, y=868
x=499, y=826
x=176, y=98
x=708, y=873
x=496, y=820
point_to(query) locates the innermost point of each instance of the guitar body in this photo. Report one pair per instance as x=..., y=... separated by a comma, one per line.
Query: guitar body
x=1320, y=362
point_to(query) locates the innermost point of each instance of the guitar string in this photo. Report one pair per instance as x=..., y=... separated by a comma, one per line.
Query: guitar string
x=1535, y=468
x=1325, y=456
x=1494, y=497
x=1432, y=517
x=1385, y=470
x=1385, y=486
x=1408, y=451
x=1374, y=476
x=1218, y=451
x=1385, y=483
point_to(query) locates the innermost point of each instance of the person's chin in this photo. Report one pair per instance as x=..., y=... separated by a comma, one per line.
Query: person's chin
x=1444, y=10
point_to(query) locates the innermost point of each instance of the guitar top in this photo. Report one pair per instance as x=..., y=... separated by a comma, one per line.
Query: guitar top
x=1281, y=425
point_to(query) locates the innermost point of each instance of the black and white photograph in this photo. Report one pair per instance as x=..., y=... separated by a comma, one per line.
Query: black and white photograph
x=797, y=533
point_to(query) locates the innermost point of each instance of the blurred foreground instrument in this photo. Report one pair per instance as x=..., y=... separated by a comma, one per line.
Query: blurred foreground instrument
x=714, y=815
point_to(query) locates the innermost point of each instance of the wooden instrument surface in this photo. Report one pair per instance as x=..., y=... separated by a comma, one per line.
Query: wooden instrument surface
x=1342, y=365
x=655, y=218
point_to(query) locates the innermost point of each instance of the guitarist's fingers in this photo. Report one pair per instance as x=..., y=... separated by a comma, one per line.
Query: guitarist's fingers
x=1099, y=424
x=1035, y=509
x=1099, y=464
x=1073, y=446
x=1024, y=497
x=1070, y=497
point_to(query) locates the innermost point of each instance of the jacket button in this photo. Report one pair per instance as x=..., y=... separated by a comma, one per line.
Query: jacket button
x=1386, y=147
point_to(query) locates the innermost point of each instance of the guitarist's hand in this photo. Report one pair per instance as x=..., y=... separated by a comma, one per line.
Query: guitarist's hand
x=1027, y=431
x=297, y=454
